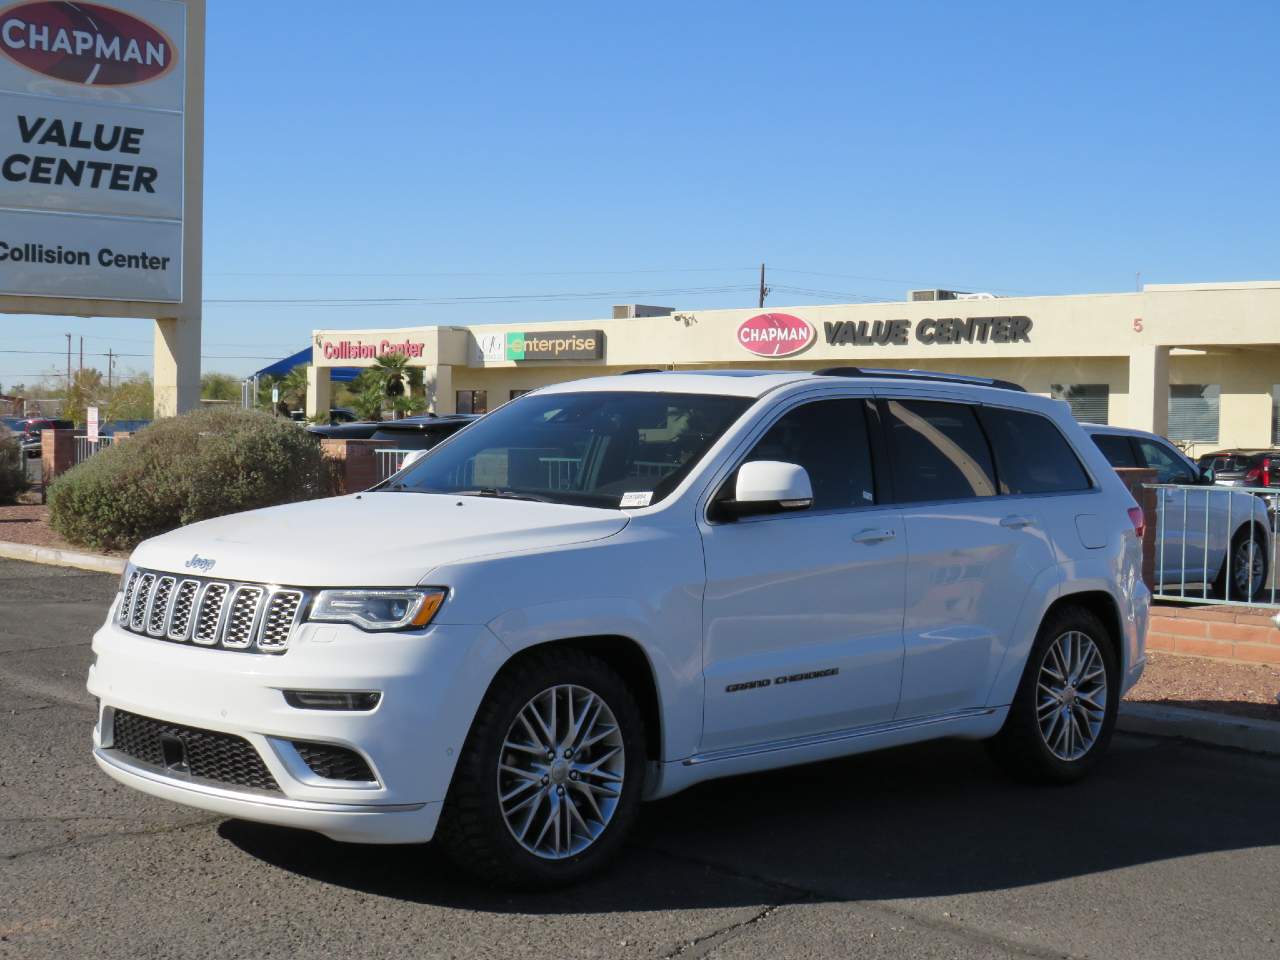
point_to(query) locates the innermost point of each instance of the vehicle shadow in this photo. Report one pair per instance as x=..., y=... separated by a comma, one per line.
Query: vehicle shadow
x=933, y=820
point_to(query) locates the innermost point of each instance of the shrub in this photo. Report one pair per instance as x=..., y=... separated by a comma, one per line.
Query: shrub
x=13, y=467
x=200, y=465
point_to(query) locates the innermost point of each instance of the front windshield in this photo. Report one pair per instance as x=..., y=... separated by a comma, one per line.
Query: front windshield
x=616, y=449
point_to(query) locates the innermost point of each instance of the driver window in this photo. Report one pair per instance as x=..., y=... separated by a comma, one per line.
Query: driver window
x=1168, y=466
x=829, y=439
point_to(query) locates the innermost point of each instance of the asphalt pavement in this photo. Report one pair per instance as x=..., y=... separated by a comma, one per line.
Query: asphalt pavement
x=1169, y=851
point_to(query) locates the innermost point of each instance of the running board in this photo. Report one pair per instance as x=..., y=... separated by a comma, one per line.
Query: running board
x=835, y=736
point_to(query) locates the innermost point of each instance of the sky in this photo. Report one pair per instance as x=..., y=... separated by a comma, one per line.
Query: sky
x=518, y=162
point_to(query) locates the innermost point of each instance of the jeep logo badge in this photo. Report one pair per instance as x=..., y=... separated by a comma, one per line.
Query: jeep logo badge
x=197, y=562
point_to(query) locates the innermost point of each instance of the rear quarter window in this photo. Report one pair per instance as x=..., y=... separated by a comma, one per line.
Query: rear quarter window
x=1032, y=455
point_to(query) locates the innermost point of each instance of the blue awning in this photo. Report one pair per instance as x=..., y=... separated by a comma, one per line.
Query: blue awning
x=281, y=367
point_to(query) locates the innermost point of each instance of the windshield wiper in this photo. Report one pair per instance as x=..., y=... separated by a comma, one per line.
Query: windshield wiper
x=502, y=493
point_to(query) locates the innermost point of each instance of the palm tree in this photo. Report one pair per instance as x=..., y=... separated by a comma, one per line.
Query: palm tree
x=293, y=388
x=392, y=370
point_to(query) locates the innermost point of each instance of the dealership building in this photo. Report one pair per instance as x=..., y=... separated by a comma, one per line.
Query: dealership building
x=1197, y=362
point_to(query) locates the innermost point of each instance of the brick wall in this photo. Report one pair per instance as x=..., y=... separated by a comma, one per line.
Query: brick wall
x=1221, y=632
x=356, y=462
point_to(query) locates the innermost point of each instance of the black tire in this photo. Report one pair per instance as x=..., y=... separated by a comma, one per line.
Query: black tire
x=1237, y=591
x=472, y=830
x=1020, y=747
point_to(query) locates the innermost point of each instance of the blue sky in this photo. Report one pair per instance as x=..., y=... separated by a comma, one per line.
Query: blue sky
x=659, y=152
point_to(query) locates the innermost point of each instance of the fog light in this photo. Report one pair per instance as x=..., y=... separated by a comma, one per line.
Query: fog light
x=332, y=699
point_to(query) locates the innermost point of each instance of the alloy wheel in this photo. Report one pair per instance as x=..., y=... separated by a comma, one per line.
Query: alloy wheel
x=560, y=771
x=1071, y=695
x=1247, y=569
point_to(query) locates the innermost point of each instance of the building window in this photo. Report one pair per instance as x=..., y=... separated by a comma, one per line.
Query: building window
x=1193, y=412
x=1089, y=402
x=472, y=401
x=1275, y=415
x=518, y=393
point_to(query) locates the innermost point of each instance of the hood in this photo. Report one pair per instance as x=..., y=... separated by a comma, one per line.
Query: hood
x=370, y=539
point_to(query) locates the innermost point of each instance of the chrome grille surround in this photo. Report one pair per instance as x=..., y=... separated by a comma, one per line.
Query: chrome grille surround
x=225, y=614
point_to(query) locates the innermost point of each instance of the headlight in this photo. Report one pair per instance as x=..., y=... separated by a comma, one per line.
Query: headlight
x=378, y=609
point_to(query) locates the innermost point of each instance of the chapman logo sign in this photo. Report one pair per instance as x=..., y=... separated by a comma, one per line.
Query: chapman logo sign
x=85, y=43
x=775, y=334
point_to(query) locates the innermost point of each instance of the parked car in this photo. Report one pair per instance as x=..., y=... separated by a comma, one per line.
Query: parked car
x=1205, y=536
x=410, y=433
x=1243, y=468
x=610, y=590
x=336, y=415
x=31, y=428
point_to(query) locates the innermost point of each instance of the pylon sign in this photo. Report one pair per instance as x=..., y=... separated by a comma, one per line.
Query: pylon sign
x=92, y=112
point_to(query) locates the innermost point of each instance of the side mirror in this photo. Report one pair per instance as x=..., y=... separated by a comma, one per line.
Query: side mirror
x=1208, y=476
x=767, y=486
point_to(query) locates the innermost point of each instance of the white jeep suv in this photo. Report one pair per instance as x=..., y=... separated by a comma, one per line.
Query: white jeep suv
x=609, y=590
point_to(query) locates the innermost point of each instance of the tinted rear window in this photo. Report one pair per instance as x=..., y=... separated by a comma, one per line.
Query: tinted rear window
x=938, y=452
x=1118, y=450
x=1032, y=455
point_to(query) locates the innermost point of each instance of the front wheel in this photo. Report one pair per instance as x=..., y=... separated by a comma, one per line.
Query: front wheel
x=549, y=781
x=1062, y=716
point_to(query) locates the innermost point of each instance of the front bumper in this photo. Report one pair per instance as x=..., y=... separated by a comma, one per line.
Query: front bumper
x=431, y=681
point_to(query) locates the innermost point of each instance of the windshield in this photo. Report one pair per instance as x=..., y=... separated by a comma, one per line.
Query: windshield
x=617, y=449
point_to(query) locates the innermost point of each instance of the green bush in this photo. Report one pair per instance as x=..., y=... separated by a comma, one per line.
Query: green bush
x=200, y=465
x=13, y=467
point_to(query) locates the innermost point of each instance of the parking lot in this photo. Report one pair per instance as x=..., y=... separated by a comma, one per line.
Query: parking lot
x=1169, y=851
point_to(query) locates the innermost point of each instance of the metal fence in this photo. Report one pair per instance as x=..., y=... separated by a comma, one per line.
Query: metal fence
x=86, y=448
x=390, y=460
x=1216, y=544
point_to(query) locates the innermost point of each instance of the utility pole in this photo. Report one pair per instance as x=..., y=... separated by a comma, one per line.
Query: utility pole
x=68, y=361
x=764, y=291
x=82, y=355
x=111, y=361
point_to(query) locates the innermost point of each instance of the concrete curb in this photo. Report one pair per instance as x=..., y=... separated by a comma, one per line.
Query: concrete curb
x=1201, y=726
x=61, y=558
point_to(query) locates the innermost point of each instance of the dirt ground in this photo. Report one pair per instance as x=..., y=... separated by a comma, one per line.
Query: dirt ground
x=1242, y=689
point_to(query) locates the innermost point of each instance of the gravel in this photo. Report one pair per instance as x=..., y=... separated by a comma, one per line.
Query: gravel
x=1240, y=689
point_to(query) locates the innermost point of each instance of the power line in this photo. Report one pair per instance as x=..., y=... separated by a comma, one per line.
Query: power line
x=485, y=298
x=517, y=273
x=922, y=283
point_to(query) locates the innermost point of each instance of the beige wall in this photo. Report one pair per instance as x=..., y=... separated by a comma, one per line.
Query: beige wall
x=1233, y=331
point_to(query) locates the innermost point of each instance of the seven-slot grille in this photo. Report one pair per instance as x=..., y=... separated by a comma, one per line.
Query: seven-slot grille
x=210, y=613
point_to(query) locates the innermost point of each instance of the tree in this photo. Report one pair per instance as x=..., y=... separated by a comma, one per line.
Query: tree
x=132, y=399
x=86, y=391
x=392, y=371
x=293, y=388
x=219, y=386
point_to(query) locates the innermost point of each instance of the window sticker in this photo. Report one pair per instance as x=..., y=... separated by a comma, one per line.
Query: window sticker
x=640, y=498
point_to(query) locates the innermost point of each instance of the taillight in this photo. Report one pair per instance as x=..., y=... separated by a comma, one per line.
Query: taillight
x=1266, y=473
x=1255, y=477
x=1139, y=521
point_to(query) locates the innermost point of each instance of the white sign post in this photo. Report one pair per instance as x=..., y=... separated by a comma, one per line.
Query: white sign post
x=101, y=169
x=91, y=424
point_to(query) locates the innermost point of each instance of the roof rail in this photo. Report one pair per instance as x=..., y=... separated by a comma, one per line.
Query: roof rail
x=889, y=373
x=641, y=370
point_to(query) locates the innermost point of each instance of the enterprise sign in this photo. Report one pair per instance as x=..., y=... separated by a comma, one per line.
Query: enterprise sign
x=539, y=345
x=92, y=105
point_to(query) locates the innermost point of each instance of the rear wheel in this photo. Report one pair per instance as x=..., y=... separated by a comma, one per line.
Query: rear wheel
x=549, y=781
x=1063, y=714
x=1248, y=562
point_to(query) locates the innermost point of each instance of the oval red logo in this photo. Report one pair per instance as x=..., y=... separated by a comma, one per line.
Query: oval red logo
x=775, y=334
x=84, y=43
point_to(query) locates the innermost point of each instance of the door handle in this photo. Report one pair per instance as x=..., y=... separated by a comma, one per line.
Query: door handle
x=873, y=535
x=1017, y=522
